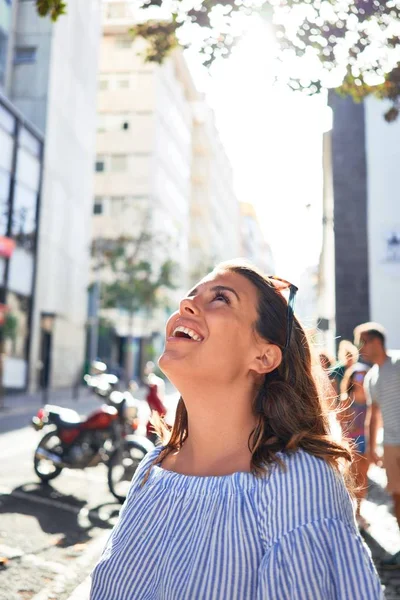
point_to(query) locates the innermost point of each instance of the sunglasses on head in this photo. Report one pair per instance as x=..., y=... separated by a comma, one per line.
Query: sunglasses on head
x=281, y=285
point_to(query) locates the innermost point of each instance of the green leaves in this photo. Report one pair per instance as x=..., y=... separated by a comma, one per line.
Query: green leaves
x=161, y=38
x=53, y=8
x=132, y=282
x=351, y=45
x=10, y=326
x=354, y=42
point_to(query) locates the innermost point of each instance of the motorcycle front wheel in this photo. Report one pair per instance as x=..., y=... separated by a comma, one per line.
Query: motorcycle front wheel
x=45, y=469
x=122, y=465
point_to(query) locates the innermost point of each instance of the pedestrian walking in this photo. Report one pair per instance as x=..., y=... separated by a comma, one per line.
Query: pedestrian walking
x=353, y=410
x=382, y=386
x=245, y=499
x=347, y=357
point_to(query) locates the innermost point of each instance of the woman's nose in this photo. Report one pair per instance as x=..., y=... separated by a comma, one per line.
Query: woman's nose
x=188, y=306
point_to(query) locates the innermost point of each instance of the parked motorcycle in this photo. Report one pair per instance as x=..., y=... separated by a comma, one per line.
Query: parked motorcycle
x=128, y=451
x=110, y=434
x=100, y=381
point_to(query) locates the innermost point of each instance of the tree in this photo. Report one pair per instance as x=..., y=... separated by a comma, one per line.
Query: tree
x=53, y=8
x=8, y=330
x=132, y=282
x=353, y=44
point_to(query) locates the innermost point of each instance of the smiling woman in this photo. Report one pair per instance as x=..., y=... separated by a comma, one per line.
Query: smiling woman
x=245, y=499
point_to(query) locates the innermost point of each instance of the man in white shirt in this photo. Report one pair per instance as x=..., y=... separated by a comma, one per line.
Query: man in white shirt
x=382, y=386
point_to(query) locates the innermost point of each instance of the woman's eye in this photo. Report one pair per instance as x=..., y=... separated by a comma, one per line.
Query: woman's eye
x=222, y=297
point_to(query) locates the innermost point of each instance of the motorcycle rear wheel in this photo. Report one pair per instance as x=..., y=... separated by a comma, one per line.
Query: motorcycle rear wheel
x=122, y=465
x=45, y=469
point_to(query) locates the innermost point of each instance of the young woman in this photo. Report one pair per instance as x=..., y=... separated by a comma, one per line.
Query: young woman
x=353, y=416
x=245, y=500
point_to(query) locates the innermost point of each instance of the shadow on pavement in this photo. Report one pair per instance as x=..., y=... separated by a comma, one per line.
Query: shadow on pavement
x=58, y=513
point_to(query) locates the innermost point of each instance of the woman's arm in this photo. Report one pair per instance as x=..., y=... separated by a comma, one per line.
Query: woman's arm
x=375, y=420
x=324, y=560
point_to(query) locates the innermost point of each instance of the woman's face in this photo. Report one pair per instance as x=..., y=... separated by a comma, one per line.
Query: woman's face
x=212, y=335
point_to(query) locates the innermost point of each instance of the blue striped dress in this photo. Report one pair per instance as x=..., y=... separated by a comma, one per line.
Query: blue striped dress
x=290, y=535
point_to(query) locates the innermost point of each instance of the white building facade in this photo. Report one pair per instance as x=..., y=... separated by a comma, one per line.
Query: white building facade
x=52, y=82
x=383, y=209
x=254, y=246
x=143, y=164
x=360, y=261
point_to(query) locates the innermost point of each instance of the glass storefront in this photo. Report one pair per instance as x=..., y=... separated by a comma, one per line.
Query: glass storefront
x=21, y=151
x=5, y=24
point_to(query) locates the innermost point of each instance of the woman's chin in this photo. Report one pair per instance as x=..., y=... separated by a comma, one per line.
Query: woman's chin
x=173, y=364
x=168, y=363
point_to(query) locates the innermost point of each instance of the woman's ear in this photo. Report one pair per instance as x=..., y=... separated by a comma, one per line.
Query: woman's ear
x=268, y=359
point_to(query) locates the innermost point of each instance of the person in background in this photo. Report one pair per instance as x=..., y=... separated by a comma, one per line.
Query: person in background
x=155, y=399
x=326, y=360
x=326, y=382
x=382, y=387
x=353, y=411
x=152, y=379
x=347, y=356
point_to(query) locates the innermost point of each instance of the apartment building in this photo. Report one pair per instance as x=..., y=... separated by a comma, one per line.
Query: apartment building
x=143, y=163
x=49, y=76
x=254, y=246
x=215, y=228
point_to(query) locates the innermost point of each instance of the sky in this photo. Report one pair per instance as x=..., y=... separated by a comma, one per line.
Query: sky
x=273, y=138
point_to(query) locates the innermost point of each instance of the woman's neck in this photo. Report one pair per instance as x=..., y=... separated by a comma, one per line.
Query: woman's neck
x=220, y=423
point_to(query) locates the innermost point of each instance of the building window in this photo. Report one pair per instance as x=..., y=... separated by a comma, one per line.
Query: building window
x=118, y=162
x=25, y=55
x=103, y=84
x=98, y=206
x=29, y=142
x=123, y=83
x=5, y=180
x=7, y=121
x=100, y=165
x=23, y=226
x=123, y=43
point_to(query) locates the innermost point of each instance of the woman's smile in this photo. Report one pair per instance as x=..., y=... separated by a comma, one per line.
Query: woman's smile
x=184, y=330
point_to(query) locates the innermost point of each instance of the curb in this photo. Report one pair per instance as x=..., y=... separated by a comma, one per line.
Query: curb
x=82, y=592
x=73, y=576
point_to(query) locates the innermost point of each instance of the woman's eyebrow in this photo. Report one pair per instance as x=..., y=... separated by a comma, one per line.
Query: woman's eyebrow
x=216, y=288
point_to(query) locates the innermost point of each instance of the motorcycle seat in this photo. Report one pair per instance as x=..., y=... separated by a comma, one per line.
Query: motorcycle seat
x=64, y=417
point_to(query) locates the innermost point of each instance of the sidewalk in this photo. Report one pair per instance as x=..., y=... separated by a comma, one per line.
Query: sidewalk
x=82, y=592
x=69, y=397
x=18, y=403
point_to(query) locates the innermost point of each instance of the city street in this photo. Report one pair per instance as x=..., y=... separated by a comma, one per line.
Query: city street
x=50, y=535
x=46, y=530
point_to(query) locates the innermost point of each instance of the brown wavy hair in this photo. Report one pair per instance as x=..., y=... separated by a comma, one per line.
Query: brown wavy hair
x=292, y=411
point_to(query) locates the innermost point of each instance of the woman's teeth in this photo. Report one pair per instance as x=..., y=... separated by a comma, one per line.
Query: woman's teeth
x=189, y=332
